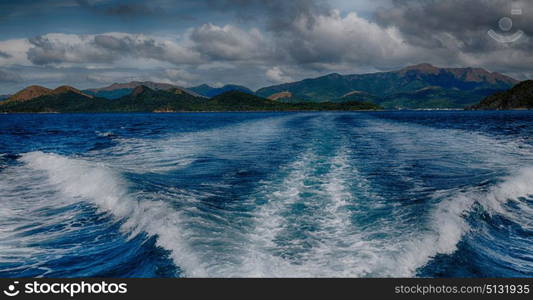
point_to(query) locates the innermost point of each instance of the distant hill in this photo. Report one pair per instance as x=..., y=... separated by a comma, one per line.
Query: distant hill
x=36, y=91
x=141, y=99
x=117, y=90
x=30, y=92
x=69, y=101
x=451, y=87
x=4, y=97
x=519, y=97
x=145, y=99
x=239, y=101
x=209, y=92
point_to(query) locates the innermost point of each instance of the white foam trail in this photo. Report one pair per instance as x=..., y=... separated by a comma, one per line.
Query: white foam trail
x=346, y=251
x=142, y=155
x=259, y=260
x=339, y=249
x=84, y=181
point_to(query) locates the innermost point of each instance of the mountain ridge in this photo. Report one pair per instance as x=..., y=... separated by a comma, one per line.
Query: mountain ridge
x=210, y=92
x=144, y=99
x=35, y=91
x=411, y=87
x=117, y=90
x=473, y=83
x=518, y=97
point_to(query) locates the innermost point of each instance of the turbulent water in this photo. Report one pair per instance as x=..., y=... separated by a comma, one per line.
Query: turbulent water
x=383, y=194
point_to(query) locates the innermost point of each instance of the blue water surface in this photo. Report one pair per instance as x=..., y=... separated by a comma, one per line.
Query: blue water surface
x=329, y=194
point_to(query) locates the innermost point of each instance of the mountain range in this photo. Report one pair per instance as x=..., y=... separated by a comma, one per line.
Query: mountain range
x=117, y=90
x=144, y=99
x=419, y=86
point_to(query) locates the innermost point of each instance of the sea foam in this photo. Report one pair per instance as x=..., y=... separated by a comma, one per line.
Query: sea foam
x=96, y=183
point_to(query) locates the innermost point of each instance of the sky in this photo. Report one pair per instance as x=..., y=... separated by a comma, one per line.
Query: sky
x=255, y=43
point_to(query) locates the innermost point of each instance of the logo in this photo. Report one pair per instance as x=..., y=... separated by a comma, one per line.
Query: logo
x=506, y=24
x=11, y=290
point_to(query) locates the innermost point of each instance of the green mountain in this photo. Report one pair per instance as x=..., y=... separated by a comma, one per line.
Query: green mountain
x=519, y=97
x=118, y=90
x=68, y=101
x=144, y=99
x=450, y=87
x=210, y=92
x=240, y=101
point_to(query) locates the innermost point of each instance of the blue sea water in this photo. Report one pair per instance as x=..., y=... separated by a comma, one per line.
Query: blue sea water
x=351, y=194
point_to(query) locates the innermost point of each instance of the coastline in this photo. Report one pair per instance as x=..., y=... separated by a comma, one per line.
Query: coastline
x=269, y=111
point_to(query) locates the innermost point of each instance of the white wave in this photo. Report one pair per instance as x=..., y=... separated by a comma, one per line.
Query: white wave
x=171, y=152
x=513, y=189
x=448, y=224
x=105, y=133
x=22, y=195
x=80, y=180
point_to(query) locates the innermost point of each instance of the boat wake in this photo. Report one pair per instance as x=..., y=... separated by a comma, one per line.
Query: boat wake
x=321, y=213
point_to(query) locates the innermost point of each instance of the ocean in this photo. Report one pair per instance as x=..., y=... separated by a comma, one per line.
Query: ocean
x=325, y=194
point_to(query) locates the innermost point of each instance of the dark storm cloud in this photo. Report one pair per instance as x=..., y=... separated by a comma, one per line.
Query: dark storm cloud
x=433, y=23
x=47, y=51
x=278, y=15
x=58, y=49
x=145, y=47
x=129, y=46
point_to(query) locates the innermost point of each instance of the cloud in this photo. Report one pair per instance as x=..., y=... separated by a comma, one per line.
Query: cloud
x=349, y=39
x=432, y=23
x=63, y=48
x=13, y=52
x=229, y=43
x=276, y=75
x=458, y=30
x=277, y=15
x=70, y=49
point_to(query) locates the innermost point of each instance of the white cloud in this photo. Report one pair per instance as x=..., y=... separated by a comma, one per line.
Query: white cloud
x=276, y=75
x=15, y=52
x=229, y=42
x=349, y=39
